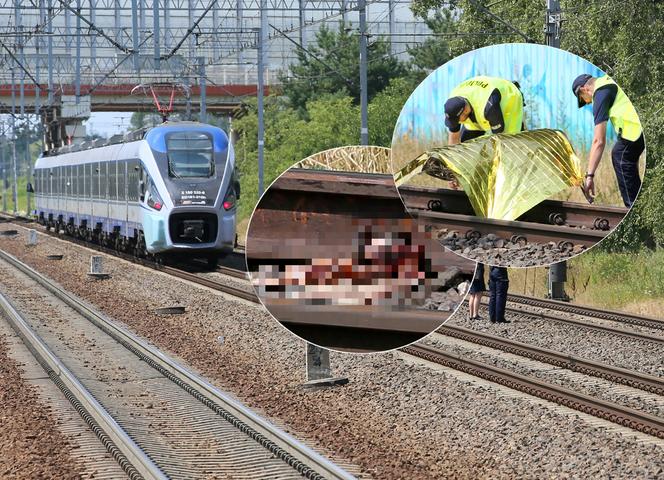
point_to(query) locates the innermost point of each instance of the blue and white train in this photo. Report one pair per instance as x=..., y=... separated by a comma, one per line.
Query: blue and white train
x=171, y=189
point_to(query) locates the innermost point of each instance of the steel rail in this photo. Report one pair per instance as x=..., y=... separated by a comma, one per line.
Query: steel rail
x=299, y=456
x=588, y=311
x=625, y=416
x=648, y=383
x=131, y=458
x=554, y=212
x=232, y=272
x=210, y=283
x=580, y=323
x=532, y=232
x=179, y=273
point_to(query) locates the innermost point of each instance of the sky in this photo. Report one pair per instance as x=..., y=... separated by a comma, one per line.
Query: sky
x=107, y=124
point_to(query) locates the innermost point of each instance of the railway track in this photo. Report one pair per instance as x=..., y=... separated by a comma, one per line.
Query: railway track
x=648, y=383
x=564, y=223
x=311, y=214
x=358, y=329
x=191, y=276
x=155, y=417
x=599, y=408
x=613, y=412
x=588, y=311
x=557, y=317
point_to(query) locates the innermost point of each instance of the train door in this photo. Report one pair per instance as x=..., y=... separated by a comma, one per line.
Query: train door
x=96, y=202
x=103, y=193
x=134, y=179
x=78, y=178
x=58, y=191
x=112, y=195
x=122, y=194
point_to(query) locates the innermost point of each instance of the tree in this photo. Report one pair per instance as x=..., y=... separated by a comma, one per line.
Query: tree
x=434, y=51
x=333, y=121
x=140, y=120
x=331, y=66
x=385, y=108
x=622, y=38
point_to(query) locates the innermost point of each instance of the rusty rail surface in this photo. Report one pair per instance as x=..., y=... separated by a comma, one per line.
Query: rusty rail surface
x=610, y=411
x=309, y=214
x=648, y=383
x=603, y=314
x=550, y=221
x=177, y=272
x=592, y=326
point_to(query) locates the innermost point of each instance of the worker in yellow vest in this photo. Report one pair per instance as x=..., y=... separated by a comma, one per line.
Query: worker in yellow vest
x=611, y=103
x=483, y=105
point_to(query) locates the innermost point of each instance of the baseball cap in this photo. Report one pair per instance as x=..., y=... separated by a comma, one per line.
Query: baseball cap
x=579, y=82
x=453, y=108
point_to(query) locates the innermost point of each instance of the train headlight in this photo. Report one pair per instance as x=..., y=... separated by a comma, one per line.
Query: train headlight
x=231, y=198
x=154, y=200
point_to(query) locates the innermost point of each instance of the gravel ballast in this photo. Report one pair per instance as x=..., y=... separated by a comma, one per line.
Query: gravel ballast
x=395, y=419
x=613, y=392
x=31, y=446
x=616, y=350
x=494, y=250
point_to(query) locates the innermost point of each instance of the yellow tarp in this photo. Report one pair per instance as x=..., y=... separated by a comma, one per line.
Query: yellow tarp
x=504, y=175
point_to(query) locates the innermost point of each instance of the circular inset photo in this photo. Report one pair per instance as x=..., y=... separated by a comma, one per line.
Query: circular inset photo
x=336, y=259
x=518, y=155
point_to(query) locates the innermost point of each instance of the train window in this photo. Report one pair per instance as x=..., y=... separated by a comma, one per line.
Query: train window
x=64, y=179
x=119, y=171
x=112, y=181
x=74, y=180
x=122, y=182
x=79, y=180
x=103, y=180
x=133, y=169
x=85, y=189
x=189, y=155
x=94, y=179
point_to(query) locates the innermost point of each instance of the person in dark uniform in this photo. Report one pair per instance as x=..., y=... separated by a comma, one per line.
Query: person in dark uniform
x=498, y=286
x=611, y=104
x=483, y=105
x=475, y=292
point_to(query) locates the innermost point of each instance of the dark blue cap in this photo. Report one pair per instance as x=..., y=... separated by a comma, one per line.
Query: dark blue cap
x=579, y=82
x=454, y=107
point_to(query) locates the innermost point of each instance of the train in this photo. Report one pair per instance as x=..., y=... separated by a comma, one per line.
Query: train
x=163, y=192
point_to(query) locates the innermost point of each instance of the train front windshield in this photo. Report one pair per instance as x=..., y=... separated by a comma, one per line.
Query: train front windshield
x=190, y=155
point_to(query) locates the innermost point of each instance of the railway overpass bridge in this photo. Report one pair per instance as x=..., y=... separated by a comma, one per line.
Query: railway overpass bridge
x=63, y=115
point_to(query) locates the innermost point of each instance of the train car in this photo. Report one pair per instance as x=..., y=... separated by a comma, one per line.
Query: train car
x=165, y=191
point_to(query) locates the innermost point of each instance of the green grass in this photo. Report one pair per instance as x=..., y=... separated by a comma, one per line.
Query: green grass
x=629, y=282
x=22, y=195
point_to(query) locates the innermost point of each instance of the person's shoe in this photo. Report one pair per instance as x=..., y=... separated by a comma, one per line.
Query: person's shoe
x=493, y=321
x=503, y=321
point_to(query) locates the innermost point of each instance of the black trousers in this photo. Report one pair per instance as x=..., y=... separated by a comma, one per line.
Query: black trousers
x=625, y=157
x=497, y=299
x=470, y=134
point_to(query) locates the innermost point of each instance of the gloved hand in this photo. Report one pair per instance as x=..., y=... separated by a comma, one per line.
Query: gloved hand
x=588, y=189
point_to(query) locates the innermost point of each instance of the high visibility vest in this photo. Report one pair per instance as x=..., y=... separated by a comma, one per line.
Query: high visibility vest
x=622, y=114
x=476, y=91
